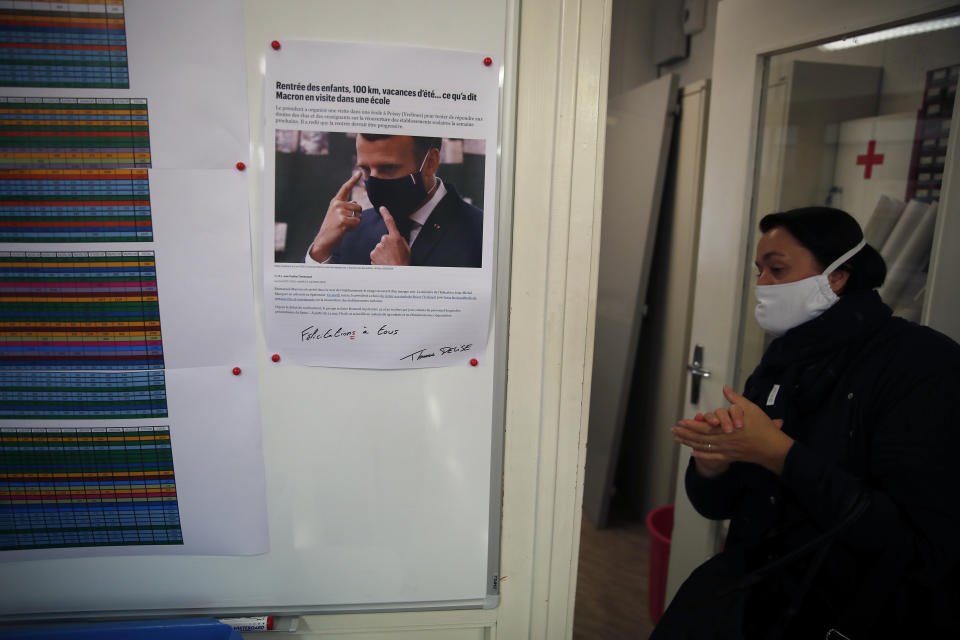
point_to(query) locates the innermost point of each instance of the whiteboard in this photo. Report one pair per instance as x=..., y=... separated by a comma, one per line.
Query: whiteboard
x=383, y=487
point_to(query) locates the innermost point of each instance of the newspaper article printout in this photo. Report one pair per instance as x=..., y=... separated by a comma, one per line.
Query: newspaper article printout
x=379, y=203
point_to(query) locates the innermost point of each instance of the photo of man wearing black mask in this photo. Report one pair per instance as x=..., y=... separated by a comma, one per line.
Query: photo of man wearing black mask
x=416, y=218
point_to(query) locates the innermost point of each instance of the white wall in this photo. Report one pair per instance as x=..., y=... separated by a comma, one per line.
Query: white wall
x=631, y=47
x=699, y=64
x=905, y=62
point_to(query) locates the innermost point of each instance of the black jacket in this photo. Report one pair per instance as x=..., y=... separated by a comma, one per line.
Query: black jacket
x=452, y=236
x=872, y=403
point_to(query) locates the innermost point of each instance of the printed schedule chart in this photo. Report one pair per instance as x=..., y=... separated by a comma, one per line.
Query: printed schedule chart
x=74, y=170
x=74, y=133
x=63, y=205
x=54, y=395
x=87, y=487
x=64, y=315
x=79, y=43
x=79, y=310
x=80, y=336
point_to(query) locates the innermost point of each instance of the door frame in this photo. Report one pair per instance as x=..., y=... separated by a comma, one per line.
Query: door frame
x=748, y=30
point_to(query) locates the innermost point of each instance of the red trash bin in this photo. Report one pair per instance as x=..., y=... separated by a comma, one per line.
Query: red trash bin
x=660, y=525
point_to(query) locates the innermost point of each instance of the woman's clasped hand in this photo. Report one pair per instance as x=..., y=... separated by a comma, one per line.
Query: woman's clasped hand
x=742, y=432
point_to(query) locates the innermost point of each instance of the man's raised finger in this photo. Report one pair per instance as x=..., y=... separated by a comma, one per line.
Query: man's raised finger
x=347, y=187
x=389, y=221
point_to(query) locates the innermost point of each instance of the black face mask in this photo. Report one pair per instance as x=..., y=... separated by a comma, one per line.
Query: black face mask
x=401, y=196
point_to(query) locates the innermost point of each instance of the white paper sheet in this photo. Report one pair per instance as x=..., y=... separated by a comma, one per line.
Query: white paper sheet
x=362, y=315
x=902, y=230
x=204, y=272
x=907, y=273
x=214, y=421
x=187, y=60
x=882, y=221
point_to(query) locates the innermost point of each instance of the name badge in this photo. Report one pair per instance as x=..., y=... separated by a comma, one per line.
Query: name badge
x=772, y=398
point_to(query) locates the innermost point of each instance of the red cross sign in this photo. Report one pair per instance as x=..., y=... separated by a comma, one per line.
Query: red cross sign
x=869, y=159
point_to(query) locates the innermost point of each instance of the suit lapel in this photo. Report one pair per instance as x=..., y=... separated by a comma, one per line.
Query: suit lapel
x=433, y=231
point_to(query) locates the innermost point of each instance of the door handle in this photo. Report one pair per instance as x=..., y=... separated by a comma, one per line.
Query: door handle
x=697, y=372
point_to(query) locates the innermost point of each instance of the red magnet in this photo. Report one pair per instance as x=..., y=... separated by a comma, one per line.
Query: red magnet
x=474, y=362
x=487, y=61
x=276, y=45
x=241, y=166
x=275, y=357
x=236, y=371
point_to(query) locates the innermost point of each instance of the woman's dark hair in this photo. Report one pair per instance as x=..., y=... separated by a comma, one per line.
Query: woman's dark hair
x=828, y=234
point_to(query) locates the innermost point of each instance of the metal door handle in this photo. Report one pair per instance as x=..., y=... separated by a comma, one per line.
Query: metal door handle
x=697, y=372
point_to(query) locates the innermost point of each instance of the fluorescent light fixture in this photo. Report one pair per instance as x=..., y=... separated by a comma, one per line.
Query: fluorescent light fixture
x=896, y=32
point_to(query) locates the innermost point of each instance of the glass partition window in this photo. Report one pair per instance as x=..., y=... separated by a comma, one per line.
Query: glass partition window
x=861, y=125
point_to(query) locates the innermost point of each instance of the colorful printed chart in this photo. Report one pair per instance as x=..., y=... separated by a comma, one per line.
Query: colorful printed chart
x=110, y=205
x=79, y=43
x=109, y=395
x=74, y=133
x=87, y=487
x=69, y=170
x=79, y=310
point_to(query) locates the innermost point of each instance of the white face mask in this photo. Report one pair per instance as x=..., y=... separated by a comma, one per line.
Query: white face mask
x=781, y=307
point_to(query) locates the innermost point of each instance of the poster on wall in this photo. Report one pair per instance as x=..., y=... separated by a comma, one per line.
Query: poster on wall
x=379, y=203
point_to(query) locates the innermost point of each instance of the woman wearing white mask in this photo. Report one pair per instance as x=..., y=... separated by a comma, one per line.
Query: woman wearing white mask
x=835, y=466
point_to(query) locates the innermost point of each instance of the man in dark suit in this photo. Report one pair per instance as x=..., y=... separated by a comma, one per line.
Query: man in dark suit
x=416, y=219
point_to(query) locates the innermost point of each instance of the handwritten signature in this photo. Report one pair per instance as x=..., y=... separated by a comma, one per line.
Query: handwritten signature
x=424, y=353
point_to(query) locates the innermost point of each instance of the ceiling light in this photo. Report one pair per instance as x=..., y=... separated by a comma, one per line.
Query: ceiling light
x=896, y=32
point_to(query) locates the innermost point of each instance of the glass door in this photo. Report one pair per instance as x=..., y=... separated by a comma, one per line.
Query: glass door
x=863, y=124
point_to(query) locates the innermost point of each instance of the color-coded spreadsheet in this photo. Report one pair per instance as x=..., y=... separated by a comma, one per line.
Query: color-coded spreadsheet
x=78, y=43
x=74, y=133
x=50, y=395
x=62, y=205
x=65, y=487
x=75, y=310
